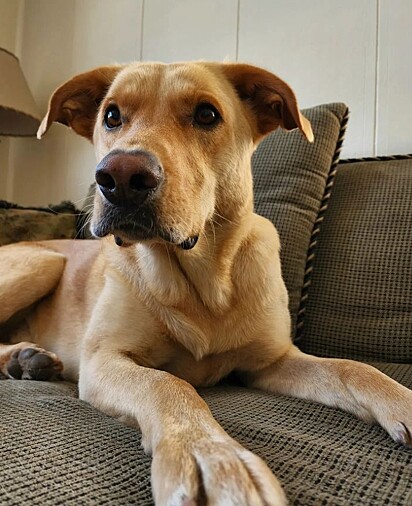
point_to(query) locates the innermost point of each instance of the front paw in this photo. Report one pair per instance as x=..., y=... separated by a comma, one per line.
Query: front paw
x=402, y=433
x=212, y=470
x=396, y=415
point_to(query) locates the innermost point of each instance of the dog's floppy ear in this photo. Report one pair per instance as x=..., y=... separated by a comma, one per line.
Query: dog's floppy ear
x=270, y=99
x=75, y=103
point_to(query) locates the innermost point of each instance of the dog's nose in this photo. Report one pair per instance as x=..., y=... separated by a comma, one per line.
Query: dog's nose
x=127, y=178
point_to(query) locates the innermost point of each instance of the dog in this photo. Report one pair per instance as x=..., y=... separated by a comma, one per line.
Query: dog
x=185, y=285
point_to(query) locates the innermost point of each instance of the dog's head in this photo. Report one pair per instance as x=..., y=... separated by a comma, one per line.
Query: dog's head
x=173, y=142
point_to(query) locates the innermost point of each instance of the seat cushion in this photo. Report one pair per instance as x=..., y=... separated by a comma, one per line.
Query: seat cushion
x=56, y=449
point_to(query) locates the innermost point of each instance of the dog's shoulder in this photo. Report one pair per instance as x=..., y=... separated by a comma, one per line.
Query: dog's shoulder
x=262, y=239
x=258, y=261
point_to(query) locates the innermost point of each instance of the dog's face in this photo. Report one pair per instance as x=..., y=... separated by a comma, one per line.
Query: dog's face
x=173, y=142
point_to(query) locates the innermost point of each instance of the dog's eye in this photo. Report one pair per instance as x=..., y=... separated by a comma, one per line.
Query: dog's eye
x=112, y=117
x=206, y=115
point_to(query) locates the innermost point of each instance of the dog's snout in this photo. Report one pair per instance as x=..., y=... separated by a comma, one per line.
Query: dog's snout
x=128, y=177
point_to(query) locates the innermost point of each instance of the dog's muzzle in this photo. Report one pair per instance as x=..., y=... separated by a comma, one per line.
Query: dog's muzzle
x=128, y=178
x=128, y=182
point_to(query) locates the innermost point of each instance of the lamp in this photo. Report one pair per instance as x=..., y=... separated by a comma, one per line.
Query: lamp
x=19, y=116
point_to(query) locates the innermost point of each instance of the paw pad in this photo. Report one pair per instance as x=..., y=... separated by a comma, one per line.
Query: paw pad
x=33, y=364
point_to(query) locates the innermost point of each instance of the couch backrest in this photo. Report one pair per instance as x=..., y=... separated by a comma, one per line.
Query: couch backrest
x=359, y=301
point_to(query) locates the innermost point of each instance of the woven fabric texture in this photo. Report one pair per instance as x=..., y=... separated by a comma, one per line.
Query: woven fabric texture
x=56, y=450
x=360, y=298
x=290, y=176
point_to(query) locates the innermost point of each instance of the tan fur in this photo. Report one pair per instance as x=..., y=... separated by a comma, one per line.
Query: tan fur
x=138, y=325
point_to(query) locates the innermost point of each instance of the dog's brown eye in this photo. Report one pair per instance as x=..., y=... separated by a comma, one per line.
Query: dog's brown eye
x=206, y=115
x=112, y=117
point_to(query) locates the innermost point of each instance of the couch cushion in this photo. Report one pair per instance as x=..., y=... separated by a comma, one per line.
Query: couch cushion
x=290, y=177
x=55, y=449
x=360, y=299
x=36, y=224
x=59, y=450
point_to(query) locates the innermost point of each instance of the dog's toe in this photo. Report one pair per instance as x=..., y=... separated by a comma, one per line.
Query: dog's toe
x=34, y=364
x=212, y=470
x=13, y=366
x=395, y=415
x=401, y=434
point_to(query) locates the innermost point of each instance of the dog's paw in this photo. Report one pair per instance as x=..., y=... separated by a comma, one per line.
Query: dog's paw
x=402, y=434
x=213, y=471
x=396, y=415
x=33, y=363
x=399, y=425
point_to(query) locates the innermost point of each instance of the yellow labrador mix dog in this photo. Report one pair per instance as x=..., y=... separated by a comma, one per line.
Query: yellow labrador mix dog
x=186, y=285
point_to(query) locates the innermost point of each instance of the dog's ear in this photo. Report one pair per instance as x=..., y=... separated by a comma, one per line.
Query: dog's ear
x=270, y=99
x=75, y=103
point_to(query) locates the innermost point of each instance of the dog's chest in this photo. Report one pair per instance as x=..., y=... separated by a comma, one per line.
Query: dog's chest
x=201, y=373
x=205, y=354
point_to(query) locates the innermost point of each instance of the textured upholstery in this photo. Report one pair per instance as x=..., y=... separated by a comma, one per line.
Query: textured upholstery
x=56, y=450
x=290, y=176
x=360, y=298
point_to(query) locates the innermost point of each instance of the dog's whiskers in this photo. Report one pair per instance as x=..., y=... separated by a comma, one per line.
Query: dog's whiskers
x=170, y=260
x=85, y=225
x=88, y=207
x=225, y=219
x=212, y=227
x=83, y=200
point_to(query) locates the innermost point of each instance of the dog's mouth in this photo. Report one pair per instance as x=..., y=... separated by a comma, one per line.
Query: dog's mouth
x=129, y=227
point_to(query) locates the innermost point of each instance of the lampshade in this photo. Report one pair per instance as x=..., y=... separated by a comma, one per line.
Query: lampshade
x=18, y=112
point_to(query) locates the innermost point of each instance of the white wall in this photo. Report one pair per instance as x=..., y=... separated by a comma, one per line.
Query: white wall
x=61, y=38
x=355, y=51
x=394, y=98
x=9, y=23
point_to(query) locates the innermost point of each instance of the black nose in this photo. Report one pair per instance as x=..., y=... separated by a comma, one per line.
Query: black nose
x=127, y=178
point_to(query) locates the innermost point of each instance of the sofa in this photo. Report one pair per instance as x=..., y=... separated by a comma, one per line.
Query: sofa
x=345, y=229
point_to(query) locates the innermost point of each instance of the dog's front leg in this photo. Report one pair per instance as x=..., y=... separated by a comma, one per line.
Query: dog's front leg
x=194, y=460
x=353, y=386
